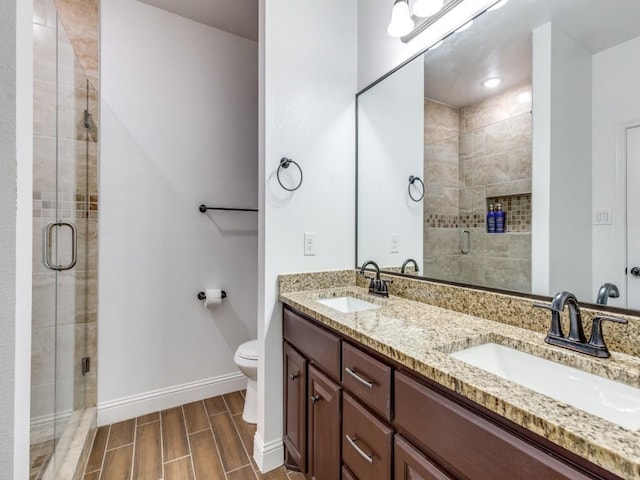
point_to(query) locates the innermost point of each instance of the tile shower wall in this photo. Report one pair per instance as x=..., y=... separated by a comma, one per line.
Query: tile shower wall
x=473, y=156
x=75, y=295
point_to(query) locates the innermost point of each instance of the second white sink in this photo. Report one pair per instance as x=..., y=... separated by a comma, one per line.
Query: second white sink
x=617, y=402
x=347, y=304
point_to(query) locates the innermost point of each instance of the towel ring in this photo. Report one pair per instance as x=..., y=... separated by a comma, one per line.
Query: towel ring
x=412, y=180
x=284, y=163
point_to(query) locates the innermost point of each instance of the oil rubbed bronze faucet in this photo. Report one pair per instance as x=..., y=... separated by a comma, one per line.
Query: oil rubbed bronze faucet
x=407, y=262
x=377, y=286
x=576, y=339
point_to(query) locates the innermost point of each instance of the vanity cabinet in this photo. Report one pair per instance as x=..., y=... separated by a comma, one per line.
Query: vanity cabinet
x=323, y=426
x=312, y=398
x=361, y=416
x=410, y=464
x=295, y=415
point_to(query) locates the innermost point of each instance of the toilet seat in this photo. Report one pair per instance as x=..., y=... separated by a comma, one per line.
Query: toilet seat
x=248, y=350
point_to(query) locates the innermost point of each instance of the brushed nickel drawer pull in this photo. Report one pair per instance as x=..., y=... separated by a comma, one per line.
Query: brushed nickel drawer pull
x=364, y=382
x=367, y=456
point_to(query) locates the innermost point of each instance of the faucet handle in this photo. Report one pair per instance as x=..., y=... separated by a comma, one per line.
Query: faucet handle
x=597, y=339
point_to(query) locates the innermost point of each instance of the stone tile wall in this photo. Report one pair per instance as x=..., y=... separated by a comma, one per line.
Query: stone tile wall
x=473, y=155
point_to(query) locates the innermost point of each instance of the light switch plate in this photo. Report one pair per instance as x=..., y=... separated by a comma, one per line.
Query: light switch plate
x=309, y=244
x=602, y=217
x=395, y=243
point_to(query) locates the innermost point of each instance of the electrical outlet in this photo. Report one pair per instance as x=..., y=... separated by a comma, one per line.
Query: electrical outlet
x=602, y=217
x=395, y=243
x=309, y=244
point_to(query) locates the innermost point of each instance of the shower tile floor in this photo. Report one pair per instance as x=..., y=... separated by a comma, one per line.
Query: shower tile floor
x=198, y=441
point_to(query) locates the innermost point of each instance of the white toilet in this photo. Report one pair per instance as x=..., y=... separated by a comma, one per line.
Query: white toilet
x=246, y=359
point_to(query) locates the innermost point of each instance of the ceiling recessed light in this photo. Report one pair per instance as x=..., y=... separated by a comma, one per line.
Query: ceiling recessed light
x=464, y=27
x=498, y=5
x=436, y=45
x=492, y=82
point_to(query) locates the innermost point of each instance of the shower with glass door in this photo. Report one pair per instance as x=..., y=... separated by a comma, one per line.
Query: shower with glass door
x=65, y=208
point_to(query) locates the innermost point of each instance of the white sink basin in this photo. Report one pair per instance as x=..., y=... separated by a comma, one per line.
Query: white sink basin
x=613, y=401
x=347, y=304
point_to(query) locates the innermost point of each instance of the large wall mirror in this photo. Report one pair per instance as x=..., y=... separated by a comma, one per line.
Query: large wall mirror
x=533, y=112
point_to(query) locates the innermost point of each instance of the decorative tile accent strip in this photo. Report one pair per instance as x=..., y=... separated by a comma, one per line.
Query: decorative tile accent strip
x=76, y=206
x=435, y=220
x=517, y=209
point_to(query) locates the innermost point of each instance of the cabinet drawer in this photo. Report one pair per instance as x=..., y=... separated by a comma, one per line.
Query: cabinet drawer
x=367, y=378
x=321, y=347
x=466, y=444
x=411, y=464
x=346, y=474
x=366, y=442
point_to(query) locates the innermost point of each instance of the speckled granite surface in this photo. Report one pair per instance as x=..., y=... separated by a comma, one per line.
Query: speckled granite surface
x=509, y=309
x=420, y=336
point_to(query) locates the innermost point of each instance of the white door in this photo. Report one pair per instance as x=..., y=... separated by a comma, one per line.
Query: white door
x=633, y=218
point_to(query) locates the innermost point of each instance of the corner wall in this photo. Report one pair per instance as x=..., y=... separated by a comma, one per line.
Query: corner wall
x=179, y=128
x=307, y=101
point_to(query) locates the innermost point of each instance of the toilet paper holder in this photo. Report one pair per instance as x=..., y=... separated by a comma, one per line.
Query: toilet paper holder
x=203, y=296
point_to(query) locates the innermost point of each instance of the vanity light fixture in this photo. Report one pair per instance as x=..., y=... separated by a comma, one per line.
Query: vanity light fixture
x=492, y=82
x=447, y=18
x=427, y=8
x=401, y=21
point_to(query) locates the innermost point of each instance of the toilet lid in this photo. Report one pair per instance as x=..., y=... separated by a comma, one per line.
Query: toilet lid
x=249, y=350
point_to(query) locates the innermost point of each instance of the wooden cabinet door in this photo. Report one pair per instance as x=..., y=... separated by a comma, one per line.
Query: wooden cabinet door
x=323, y=426
x=295, y=407
x=411, y=464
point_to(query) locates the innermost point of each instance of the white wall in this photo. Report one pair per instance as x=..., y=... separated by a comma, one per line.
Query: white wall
x=308, y=86
x=179, y=128
x=378, y=53
x=616, y=103
x=563, y=101
x=16, y=130
x=390, y=149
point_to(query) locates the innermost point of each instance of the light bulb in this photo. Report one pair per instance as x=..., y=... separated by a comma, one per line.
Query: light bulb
x=492, y=82
x=498, y=5
x=427, y=8
x=464, y=27
x=401, y=22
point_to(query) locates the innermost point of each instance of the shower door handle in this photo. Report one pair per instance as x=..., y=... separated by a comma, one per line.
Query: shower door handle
x=465, y=242
x=47, y=246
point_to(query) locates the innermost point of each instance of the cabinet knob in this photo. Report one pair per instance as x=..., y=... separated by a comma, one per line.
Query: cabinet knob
x=314, y=399
x=293, y=376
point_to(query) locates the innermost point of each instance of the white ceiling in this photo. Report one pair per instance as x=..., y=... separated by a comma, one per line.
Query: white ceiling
x=239, y=17
x=498, y=44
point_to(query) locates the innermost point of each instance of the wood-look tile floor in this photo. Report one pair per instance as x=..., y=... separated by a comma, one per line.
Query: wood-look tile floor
x=206, y=440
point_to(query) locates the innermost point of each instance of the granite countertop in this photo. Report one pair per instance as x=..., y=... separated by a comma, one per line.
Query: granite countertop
x=421, y=336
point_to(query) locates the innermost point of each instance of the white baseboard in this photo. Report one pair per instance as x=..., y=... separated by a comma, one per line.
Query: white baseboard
x=125, y=408
x=268, y=456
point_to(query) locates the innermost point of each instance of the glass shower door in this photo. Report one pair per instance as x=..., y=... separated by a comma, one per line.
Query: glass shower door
x=64, y=260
